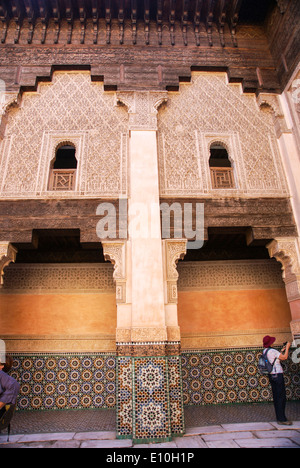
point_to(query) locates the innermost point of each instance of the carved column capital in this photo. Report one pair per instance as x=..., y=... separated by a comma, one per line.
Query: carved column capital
x=142, y=107
x=8, y=254
x=174, y=250
x=115, y=252
x=286, y=251
x=271, y=102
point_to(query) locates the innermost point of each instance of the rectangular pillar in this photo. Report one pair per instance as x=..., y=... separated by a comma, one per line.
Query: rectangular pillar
x=149, y=388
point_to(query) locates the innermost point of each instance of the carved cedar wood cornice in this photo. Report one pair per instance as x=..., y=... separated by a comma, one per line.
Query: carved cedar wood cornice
x=185, y=12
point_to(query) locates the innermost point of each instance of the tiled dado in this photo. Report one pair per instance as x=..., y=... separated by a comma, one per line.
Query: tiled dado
x=149, y=402
x=90, y=380
x=231, y=376
x=65, y=381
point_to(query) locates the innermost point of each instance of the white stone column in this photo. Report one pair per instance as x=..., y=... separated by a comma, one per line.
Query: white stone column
x=286, y=251
x=144, y=230
x=146, y=360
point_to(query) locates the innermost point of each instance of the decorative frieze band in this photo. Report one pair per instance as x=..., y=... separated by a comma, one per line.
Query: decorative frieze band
x=53, y=278
x=229, y=275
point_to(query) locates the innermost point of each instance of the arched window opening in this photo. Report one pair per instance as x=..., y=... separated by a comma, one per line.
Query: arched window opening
x=63, y=169
x=220, y=167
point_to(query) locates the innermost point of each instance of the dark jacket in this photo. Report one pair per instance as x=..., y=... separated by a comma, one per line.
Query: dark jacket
x=9, y=389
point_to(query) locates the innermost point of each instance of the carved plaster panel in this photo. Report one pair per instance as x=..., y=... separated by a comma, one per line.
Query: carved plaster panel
x=8, y=254
x=229, y=275
x=115, y=252
x=209, y=106
x=174, y=250
x=286, y=251
x=69, y=108
x=271, y=102
x=53, y=278
x=142, y=107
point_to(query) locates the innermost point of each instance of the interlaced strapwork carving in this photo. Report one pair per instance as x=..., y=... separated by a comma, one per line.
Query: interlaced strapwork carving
x=71, y=105
x=206, y=110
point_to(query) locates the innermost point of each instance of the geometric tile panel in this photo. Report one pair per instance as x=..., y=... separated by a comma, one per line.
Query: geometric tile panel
x=151, y=409
x=149, y=402
x=77, y=381
x=176, y=395
x=124, y=397
x=231, y=376
x=65, y=381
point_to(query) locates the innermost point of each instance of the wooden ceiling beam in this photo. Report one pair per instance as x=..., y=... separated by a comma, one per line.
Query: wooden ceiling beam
x=121, y=19
x=197, y=20
x=209, y=18
x=5, y=18
x=147, y=20
x=70, y=18
x=134, y=20
x=221, y=16
x=18, y=16
x=233, y=18
x=31, y=16
x=184, y=19
x=159, y=20
x=95, y=17
x=57, y=18
x=108, y=20
x=44, y=14
x=172, y=19
x=82, y=17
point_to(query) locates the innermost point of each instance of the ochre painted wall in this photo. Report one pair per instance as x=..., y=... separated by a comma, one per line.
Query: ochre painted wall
x=58, y=314
x=210, y=311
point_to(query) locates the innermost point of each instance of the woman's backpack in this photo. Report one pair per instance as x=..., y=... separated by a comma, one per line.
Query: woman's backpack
x=264, y=365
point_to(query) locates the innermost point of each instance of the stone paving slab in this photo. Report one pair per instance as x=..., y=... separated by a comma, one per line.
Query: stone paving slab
x=190, y=442
x=248, y=427
x=63, y=436
x=222, y=444
x=126, y=443
x=109, y=435
x=228, y=435
x=203, y=430
x=277, y=434
x=266, y=443
x=249, y=435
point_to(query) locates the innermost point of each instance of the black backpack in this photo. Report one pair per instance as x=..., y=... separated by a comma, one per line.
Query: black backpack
x=264, y=365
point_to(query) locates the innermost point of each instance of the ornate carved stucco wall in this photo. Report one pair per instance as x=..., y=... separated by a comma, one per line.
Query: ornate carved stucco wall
x=207, y=110
x=68, y=109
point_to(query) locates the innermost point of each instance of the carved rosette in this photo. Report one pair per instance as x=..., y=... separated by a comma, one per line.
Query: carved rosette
x=8, y=254
x=175, y=250
x=286, y=251
x=142, y=107
x=115, y=252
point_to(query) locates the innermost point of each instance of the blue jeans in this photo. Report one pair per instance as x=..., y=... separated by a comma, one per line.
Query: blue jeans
x=279, y=395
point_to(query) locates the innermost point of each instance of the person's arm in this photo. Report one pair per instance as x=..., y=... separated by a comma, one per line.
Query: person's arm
x=284, y=352
x=10, y=390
